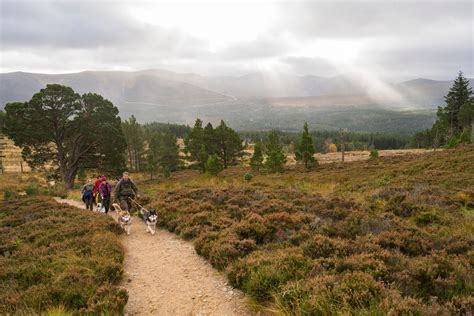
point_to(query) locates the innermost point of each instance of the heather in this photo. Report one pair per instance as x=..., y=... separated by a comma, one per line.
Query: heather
x=388, y=235
x=58, y=259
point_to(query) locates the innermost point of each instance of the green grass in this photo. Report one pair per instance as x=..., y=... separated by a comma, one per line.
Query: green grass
x=56, y=260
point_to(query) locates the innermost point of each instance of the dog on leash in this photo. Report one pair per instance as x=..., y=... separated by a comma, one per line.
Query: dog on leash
x=124, y=218
x=149, y=217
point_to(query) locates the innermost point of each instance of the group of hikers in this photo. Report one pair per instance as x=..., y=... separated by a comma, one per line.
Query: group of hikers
x=101, y=192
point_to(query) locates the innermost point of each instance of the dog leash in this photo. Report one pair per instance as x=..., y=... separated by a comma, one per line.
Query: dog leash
x=133, y=200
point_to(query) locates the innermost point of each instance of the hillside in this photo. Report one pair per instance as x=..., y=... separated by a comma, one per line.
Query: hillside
x=387, y=235
x=256, y=101
x=119, y=87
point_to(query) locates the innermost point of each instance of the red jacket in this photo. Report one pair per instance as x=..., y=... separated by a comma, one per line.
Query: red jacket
x=96, y=186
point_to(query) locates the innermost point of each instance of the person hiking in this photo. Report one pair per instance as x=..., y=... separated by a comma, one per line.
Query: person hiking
x=95, y=193
x=87, y=194
x=125, y=191
x=105, y=193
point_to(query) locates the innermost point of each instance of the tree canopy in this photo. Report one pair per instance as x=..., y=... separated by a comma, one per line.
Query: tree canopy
x=221, y=141
x=60, y=127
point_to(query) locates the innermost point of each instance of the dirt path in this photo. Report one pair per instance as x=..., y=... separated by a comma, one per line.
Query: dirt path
x=165, y=276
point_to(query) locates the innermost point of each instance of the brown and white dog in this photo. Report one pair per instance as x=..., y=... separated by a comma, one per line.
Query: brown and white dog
x=124, y=218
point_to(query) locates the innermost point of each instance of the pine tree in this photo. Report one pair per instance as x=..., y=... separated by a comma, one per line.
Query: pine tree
x=229, y=144
x=63, y=129
x=135, y=139
x=153, y=154
x=453, y=117
x=210, y=140
x=203, y=156
x=275, y=156
x=305, y=150
x=169, y=154
x=214, y=165
x=194, y=142
x=256, y=161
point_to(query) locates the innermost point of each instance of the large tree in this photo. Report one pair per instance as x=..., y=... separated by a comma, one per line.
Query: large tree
x=153, y=154
x=194, y=143
x=456, y=116
x=60, y=127
x=305, y=151
x=256, y=161
x=229, y=144
x=135, y=139
x=222, y=141
x=276, y=158
x=169, y=153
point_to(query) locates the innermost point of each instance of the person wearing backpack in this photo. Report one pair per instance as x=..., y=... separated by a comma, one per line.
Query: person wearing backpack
x=125, y=191
x=105, y=193
x=87, y=194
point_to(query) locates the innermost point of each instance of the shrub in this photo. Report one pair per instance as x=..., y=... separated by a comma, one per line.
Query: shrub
x=427, y=218
x=7, y=195
x=352, y=293
x=324, y=247
x=437, y=275
x=374, y=153
x=261, y=274
x=61, y=259
x=214, y=165
x=248, y=176
x=32, y=189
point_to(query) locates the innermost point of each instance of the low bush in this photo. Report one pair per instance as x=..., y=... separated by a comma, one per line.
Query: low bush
x=59, y=259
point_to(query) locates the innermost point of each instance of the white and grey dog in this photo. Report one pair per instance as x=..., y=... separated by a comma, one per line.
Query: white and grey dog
x=100, y=208
x=150, y=218
x=124, y=218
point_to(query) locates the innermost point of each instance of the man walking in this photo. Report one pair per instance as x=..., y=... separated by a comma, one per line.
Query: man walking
x=125, y=191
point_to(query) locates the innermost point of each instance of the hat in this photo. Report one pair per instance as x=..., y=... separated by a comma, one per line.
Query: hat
x=103, y=178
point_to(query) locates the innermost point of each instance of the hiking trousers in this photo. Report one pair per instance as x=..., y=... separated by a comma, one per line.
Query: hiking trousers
x=125, y=202
x=89, y=202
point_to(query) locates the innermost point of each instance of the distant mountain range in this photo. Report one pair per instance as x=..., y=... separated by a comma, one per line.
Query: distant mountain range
x=180, y=97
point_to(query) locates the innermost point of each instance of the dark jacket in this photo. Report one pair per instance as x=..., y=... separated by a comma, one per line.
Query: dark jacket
x=87, y=190
x=105, y=190
x=125, y=189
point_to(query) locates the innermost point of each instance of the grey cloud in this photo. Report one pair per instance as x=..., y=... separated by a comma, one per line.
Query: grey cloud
x=262, y=47
x=307, y=65
x=404, y=38
x=330, y=19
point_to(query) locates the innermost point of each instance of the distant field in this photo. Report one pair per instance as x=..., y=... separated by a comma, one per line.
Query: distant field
x=351, y=156
x=362, y=155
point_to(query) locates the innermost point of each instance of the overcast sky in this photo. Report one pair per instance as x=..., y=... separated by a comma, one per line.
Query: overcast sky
x=395, y=39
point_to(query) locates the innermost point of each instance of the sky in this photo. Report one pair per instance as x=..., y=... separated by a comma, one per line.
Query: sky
x=400, y=40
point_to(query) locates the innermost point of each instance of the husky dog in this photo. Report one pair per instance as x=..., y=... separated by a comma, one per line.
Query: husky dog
x=124, y=218
x=149, y=217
